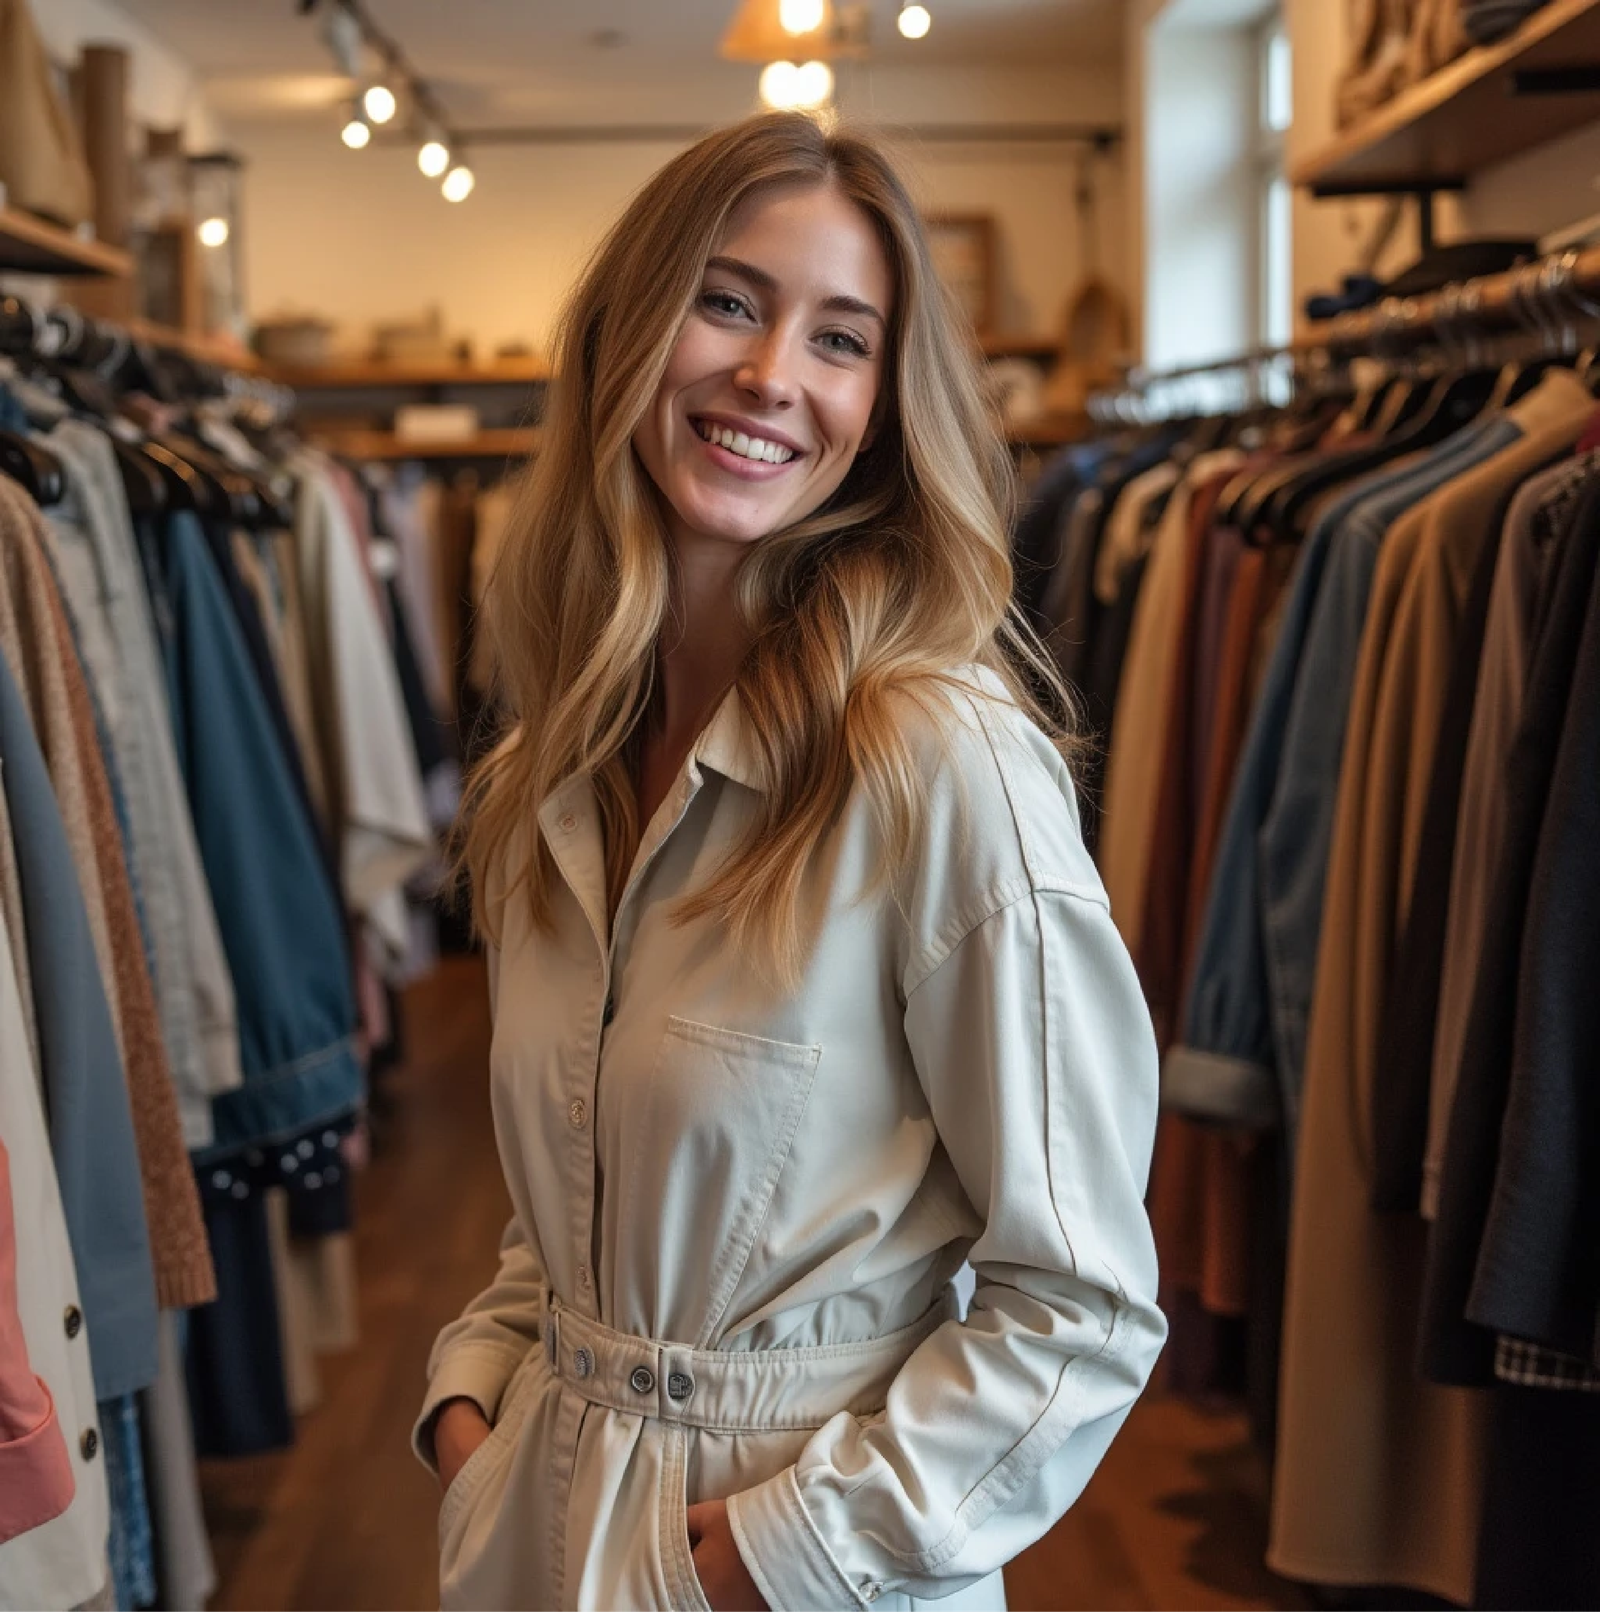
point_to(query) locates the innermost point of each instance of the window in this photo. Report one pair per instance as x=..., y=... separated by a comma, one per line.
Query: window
x=1274, y=211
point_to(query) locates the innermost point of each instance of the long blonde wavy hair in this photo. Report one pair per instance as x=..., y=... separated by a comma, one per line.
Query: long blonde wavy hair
x=902, y=576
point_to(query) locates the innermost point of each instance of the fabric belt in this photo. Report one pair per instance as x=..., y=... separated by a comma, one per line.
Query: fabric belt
x=724, y=1390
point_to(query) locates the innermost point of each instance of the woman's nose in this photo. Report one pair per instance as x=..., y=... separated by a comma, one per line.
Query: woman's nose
x=767, y=374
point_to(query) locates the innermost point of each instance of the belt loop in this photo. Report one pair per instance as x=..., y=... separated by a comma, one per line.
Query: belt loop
x=552, y=1332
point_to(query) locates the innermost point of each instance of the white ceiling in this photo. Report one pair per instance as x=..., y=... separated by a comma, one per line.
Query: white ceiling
x=491, y=59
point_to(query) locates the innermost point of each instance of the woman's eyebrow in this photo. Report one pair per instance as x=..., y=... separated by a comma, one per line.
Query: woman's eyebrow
x=762, y=281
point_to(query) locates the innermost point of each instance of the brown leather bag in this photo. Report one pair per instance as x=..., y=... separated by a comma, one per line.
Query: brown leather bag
x=41, y=157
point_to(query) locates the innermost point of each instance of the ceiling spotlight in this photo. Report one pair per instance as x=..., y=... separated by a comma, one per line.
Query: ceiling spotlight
x=458, y=183
x=356, y=134
x=433, y=158
x=914, y=20
x=777, y=85
x=800, y=16
x=813, y=85
x=213, y=232
x=379, y=103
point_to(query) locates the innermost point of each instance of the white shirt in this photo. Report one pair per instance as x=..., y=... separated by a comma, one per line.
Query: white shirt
x=965, y=1073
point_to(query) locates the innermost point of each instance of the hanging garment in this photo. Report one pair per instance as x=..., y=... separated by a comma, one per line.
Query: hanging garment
x=1456, y=1345
x=1538, y=1269
x=1355, y=1422
x=1243, y=1048
x=61, y=1561
x=90, y=1117
x=36, y=1483
x=280, y=924
x=379, y=811
x=1488, y=21
x=99, y=570
x=668, y=1129
x=1142, y=694
x=186, y=1576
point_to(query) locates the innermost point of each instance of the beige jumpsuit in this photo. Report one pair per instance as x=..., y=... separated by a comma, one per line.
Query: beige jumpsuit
x=738, y=1210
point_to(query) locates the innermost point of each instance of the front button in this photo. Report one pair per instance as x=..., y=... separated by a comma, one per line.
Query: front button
x=72, y=1321
x=577, y=1113
x=89, y=1444
x=643, y=1379
x=871, y=1592
x=680, y=1385
x=568, y=822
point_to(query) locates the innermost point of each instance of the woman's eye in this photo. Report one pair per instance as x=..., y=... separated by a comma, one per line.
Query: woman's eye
x=845, y=341
x=723, y=302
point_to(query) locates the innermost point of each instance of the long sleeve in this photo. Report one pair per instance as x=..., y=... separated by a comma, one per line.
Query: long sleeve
x=1035, y=1052
x=478, y=1353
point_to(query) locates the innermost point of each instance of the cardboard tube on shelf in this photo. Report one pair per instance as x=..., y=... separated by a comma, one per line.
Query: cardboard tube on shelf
x=104, y=91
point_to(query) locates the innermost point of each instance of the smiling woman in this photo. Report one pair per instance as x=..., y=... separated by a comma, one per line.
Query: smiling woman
x=807, y=992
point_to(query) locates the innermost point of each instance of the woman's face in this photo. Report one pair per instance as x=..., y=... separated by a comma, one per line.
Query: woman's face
x=769, y=393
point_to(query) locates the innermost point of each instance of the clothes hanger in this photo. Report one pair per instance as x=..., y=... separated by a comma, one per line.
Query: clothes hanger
x=35, y=469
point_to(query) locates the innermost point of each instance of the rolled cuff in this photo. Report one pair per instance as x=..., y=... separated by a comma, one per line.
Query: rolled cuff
x=480, y=1372
x=36, y=1482
x=1225, y=1090
x=789, y=1560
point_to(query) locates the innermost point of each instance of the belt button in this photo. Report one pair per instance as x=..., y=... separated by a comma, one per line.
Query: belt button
x=871, y=1591
x=89, y=1444
x=72, y=1321
x=583, y=1363
x=680, y=1385
x=643, y=1379
x=577, y=1113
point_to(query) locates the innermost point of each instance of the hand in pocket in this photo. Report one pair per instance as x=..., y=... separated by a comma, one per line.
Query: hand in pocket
x=458, y=1430
x=724, y=1579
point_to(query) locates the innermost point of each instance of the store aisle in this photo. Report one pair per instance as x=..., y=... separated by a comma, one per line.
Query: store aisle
x=1175, y=1517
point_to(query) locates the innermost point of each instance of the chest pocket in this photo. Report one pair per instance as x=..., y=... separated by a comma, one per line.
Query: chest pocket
x=710, y=1141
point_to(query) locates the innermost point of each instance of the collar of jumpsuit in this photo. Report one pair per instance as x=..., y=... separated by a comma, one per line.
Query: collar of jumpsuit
x=738, y=1209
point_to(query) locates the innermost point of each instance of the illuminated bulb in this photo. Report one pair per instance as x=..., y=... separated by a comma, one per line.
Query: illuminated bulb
x=433, y=158
x=355, y=134
x=213, y=232
x=813, y=84
x=800, y=16
x=915, y=21
x=378, y=103
x=778, y=85
x=458, y=184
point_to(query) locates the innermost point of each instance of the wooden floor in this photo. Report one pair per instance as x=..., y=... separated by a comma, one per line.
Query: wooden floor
x=1174, y=1518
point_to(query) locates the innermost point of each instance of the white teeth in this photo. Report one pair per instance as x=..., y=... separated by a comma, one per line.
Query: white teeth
x=747, y=447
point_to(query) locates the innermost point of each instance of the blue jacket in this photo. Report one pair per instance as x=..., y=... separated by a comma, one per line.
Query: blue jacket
x=1241, y=1057
x=281, y=924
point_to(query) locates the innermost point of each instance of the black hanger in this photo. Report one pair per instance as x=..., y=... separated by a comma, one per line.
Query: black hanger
x=142, y=480
x=36, y=470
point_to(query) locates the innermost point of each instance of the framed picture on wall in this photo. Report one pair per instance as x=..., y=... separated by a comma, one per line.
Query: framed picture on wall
x=964, y=254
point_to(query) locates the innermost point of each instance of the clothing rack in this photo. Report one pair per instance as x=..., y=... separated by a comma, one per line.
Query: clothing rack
x=1552, y=300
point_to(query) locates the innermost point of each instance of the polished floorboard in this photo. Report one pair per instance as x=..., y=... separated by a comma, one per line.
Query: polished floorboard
x=1175, y=1517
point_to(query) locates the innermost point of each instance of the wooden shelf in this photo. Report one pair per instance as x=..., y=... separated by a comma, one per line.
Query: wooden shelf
x=1464, y=118
x=35, y=246
x=204, y=349
x=363, y=374
x=516, y=443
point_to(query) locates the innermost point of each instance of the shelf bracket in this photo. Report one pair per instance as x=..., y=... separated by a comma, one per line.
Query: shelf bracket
x=1424, y=192
x=1579, y=79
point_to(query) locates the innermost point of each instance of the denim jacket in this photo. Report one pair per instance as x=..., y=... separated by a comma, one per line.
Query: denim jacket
x=1241, y=1057
x=280, y=922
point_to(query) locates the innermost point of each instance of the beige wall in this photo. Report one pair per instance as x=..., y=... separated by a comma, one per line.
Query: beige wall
x=360, y=237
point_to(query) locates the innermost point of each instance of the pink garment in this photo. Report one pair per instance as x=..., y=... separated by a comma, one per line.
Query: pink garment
x=36, y=1480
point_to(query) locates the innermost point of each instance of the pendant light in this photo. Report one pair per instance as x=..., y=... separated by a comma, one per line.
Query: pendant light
x=433, y=157
x=458, y=183
x=357, y=133
x=914, y=20
x=379, y=103
x=800, y=16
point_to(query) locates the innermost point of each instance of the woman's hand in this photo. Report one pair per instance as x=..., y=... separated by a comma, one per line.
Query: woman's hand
x=458, y=1430
x=724, y=1579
